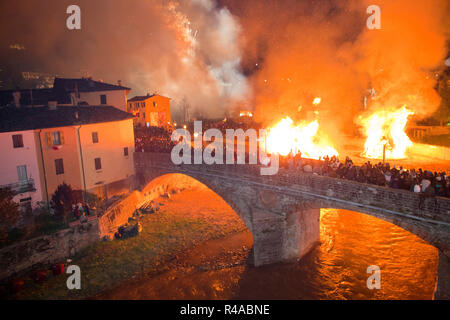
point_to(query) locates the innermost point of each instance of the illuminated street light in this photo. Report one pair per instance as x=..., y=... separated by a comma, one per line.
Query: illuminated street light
x=384, y=141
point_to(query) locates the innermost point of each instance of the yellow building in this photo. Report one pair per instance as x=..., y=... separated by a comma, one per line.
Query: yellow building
x=90, y=148
x=150, y=110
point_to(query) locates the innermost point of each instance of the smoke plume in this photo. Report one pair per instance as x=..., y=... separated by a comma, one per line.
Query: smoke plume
x=299, y=50
x=185, y=49
x=274, y=55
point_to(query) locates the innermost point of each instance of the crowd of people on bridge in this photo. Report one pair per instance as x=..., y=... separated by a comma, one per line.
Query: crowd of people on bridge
x=158, y=139
x=153, y=139
x=429, y=183
x=382, y=174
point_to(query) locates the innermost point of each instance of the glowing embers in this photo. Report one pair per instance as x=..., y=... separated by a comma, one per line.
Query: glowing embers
x=386, y=129
x=305, y=137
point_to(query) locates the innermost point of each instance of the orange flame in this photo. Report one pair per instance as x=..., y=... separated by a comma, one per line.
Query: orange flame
x=386, y=128
x=285, y=136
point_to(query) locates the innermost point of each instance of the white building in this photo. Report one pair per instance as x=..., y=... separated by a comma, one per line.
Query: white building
x=19, y=169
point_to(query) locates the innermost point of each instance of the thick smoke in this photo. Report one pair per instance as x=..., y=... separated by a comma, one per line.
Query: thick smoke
x=307, y=49
x=403, y=59
x=291, y=51
x=187, y=50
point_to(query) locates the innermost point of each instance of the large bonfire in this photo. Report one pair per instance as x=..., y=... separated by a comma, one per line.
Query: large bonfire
x=285, y=137
x=386, y=130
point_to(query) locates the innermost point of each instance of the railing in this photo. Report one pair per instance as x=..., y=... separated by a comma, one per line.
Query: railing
x=21, y=186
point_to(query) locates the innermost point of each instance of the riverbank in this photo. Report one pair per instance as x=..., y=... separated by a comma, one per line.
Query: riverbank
x=181, y=224
x=211, y=270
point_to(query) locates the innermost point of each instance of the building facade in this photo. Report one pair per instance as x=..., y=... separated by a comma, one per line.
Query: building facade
x=20, y=167
x=90, y=148
x=150, y=110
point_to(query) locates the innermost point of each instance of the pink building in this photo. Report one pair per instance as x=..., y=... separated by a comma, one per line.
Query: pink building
x=19, y=168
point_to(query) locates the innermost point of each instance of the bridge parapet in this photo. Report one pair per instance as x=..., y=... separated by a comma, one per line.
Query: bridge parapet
x=319, y=187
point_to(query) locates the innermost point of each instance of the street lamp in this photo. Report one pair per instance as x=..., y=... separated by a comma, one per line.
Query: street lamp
x=384, y=141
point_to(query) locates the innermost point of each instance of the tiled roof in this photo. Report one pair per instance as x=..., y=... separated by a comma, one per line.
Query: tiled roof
x=143, y=98
x=84, y=85
x=19, y=119
x=30, y=97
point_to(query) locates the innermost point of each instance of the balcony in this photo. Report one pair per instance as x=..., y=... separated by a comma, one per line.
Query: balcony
x=21, y=186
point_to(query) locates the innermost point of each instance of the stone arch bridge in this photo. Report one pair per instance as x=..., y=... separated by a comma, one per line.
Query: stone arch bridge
x=283, y=211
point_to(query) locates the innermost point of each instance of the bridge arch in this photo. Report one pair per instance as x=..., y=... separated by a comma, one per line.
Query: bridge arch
x=164, y=183
x=434, y=234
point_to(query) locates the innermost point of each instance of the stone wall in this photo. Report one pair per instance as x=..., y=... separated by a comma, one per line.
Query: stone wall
x=42, y=251
x=118, y=215
x=45, y=250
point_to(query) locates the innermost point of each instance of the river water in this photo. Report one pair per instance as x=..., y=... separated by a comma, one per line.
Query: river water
x=334, y=269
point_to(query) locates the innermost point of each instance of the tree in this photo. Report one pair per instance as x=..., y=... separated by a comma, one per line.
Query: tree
x=9, y=213
x=62, y=200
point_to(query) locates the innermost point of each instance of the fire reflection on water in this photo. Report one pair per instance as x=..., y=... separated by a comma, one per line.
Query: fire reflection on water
x=335, y=269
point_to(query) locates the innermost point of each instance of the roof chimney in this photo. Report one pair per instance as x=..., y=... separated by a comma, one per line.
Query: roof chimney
x=16, y=96
x=119, y=82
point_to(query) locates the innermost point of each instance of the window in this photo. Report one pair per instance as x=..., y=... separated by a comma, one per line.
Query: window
x=154, y=104
x=125, y=151
x=22, y=173
x=56, y=138
x=103, y=99
x=143, y=115
x=59, y=165
x=94, y=137
x=98, y=164
x=17, y=141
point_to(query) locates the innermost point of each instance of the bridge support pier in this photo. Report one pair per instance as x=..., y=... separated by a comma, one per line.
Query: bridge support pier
x=442, y=291
x=301, y=234
x=284, y=237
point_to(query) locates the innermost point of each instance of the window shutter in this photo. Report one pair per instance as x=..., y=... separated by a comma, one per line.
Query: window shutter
x=61, y=137
x=49, y=139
